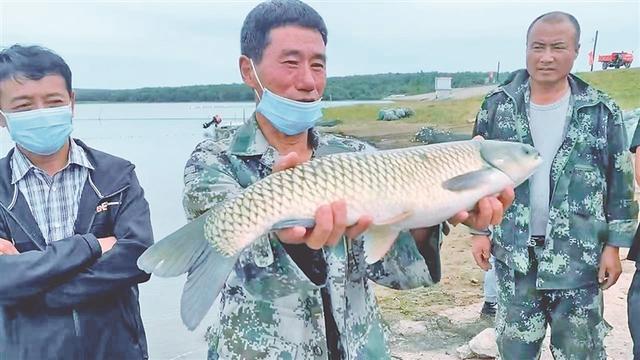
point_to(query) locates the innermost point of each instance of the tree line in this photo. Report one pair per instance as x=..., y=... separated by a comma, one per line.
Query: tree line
x=355, y=87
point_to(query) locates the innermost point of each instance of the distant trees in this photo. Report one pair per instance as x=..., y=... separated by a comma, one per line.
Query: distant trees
x=357, y=87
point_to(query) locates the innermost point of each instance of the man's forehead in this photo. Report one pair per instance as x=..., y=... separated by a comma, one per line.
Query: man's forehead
x=281, y=34
x=552, y=33
x=20, y=87
x=557, y=28
x=18, y=82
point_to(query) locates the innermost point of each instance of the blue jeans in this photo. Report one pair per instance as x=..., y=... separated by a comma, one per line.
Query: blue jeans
x=633, y=310
x=490, y=286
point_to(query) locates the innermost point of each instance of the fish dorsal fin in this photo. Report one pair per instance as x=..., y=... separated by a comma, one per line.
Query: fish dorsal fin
x=468, y=180
x=395, y=219
x=377, y=242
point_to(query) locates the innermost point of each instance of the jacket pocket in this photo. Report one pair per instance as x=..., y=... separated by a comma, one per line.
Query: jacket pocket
x=586, y=192
x=130, y=312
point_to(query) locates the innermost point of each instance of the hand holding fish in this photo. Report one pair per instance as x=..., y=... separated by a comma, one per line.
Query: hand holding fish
x=331, y=219
x=488, y=211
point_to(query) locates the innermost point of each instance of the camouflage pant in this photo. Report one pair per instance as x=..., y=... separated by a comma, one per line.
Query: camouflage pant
x=574, y=315
x=633, y=309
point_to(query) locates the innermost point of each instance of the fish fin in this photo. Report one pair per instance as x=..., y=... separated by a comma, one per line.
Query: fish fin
x=289, y=223
x=396, y=219
x=378, y=241
x=468, y=180
x=176, y=253
x=206, y=279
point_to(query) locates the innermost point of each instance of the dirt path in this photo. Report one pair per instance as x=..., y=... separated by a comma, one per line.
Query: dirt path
x=456, y=93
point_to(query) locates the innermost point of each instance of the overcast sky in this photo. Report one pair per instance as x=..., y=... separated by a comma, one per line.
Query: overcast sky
x=131, y=44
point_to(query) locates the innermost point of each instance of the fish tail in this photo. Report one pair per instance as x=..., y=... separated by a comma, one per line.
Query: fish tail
x=187, y=251
x=205, y=280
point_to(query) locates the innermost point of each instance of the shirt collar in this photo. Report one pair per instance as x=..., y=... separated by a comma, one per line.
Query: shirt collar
x=250, y=141
x=21, y=165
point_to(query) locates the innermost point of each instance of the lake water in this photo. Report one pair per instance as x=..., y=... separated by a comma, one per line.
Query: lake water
x=158, y=139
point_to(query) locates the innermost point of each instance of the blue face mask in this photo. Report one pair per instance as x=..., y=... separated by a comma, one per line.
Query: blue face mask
x=288, y=116
x=40, y=131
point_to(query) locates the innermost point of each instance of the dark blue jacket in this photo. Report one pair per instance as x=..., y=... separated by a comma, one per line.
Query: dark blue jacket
x=65, y=300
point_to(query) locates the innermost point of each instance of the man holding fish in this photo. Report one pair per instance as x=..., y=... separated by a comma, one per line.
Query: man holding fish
x=557, y=246
x=300, y=290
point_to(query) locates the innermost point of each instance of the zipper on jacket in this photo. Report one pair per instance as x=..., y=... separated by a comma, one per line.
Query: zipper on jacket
x=76, y=322
x=347, y=248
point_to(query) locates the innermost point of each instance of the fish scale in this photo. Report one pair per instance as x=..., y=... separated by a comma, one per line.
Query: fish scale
x=393, y=173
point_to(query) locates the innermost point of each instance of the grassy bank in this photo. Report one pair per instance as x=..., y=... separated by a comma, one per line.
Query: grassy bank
x=623, y=85
x=360, y=120
x=445, y=113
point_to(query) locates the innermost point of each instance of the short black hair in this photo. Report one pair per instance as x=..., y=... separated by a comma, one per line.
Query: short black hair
x=32, y=62
x=557, y=16
x=254, y=36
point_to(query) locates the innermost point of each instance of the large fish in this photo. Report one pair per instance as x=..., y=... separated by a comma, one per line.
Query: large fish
x=400, y=189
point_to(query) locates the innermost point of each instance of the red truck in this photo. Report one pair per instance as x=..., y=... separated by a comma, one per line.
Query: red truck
x=616, y=59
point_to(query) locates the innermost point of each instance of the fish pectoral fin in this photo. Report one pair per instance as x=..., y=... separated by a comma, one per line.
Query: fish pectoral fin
x=378, y=241
x=468, y=180
x=289, y=223
x=395, y=219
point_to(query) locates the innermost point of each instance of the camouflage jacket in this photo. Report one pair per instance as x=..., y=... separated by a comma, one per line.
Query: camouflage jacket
x=269, y=308
x=591, y=182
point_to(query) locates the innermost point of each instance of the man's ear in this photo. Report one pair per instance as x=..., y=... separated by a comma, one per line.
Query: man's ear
x=578, y=51
x=73, y=103
x=3, y=121
x=246, y=71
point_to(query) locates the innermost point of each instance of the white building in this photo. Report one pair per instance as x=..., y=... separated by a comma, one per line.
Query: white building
x=443, y=88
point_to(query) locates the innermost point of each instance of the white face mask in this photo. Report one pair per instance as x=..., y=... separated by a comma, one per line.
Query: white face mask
x=41, y=131
x=288, y=116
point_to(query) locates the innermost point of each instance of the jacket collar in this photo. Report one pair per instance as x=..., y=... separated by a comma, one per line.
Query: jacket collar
x=21, y=165
x=109, y=174
x=583, y=94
